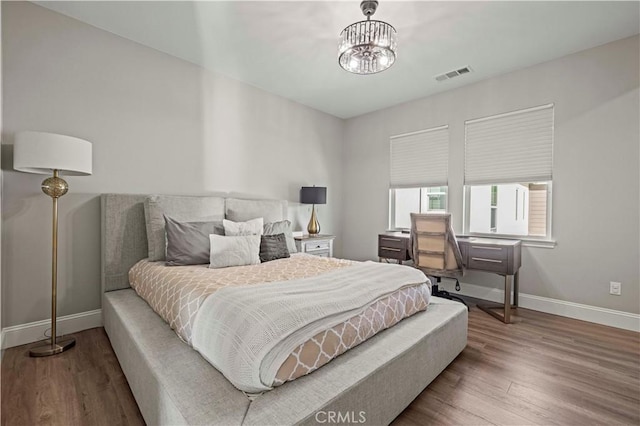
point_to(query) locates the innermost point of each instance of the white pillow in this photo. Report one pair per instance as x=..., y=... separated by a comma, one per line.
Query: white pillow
x=250, y=227
x=236, y=250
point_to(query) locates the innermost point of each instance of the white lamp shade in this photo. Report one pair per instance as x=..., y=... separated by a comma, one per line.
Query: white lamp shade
x=39, y=152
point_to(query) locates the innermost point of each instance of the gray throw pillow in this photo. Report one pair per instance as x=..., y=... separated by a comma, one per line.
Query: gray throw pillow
x=183, y=208
x=273, y=247
x=282, y=227
x=188, y=242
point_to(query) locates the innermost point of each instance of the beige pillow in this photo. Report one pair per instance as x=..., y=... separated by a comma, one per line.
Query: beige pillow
x=238, y=250
x=250, y=227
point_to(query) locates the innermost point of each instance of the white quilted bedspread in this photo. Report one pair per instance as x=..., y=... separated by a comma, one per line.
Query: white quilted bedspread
x=247, y=332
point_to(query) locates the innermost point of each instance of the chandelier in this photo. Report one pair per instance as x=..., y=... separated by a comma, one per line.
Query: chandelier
x=367, y=47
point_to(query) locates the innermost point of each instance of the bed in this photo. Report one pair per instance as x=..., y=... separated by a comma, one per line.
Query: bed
x=172, y=383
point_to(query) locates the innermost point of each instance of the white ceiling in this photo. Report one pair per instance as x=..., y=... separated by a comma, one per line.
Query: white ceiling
x=289, y=48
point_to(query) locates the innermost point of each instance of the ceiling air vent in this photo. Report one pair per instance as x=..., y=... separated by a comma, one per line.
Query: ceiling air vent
x=455, y=73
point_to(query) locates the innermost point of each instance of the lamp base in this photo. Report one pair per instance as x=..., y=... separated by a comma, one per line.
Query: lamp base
x=314, y=226
x=46, y=349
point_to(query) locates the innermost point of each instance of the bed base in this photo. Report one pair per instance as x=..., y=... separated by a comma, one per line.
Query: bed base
x=371, y=384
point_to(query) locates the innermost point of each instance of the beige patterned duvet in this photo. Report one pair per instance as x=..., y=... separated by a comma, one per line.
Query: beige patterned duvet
x=176, y=293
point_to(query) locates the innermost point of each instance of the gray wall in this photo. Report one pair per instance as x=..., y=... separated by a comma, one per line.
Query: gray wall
x=596, y=163
x=158, y=125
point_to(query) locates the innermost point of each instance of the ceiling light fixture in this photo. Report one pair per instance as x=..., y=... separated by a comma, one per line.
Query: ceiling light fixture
x=367, y=47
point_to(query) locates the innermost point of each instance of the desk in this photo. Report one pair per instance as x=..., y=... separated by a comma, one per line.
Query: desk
x=502, y=257
x=394, y=245
x=499, y=256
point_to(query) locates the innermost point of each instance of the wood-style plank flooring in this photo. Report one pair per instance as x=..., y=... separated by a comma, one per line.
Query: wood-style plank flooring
x=542, y=370
x=82, y=386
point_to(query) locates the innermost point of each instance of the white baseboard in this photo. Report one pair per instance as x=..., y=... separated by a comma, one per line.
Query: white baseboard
x=604, y=316
x=32, y=332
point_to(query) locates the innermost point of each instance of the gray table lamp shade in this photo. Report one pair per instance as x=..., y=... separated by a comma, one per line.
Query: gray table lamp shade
x=38, y=152
x=313, y=195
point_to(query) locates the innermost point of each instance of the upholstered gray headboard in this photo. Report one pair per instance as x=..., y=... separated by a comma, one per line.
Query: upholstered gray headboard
x=124, y=234
x=124, y=238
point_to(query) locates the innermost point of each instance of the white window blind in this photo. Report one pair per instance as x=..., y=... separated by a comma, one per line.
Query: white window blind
x=512, y=147
x=420, y=159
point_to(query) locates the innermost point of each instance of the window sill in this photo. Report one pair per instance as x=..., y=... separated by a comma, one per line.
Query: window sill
x=526, y=242
x=549, y=244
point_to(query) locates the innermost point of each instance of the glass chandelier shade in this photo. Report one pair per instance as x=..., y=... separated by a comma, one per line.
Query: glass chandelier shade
x=367, y=47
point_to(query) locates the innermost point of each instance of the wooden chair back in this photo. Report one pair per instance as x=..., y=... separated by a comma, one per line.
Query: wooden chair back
x=435, y=248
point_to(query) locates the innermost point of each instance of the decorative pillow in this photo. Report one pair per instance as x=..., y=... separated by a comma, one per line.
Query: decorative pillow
x=282, y=227
x=188, y=242
x=183, y=208
x=250, y=227
x=273, y=247
x=236, y=250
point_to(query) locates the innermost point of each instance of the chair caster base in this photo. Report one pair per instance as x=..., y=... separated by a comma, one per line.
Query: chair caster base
x=435, y=291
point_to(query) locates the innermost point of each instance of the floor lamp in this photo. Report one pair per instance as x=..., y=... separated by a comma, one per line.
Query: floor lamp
x=48, y=153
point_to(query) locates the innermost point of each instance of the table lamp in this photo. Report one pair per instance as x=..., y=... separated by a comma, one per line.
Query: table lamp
x=48, y=153
x=313, y=195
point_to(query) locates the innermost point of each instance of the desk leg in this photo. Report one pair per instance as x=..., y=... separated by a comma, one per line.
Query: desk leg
x=503, y=312
x=507, y=298
x=516, y=290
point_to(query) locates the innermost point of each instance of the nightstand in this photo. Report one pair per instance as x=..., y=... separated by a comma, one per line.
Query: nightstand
x=319, y=245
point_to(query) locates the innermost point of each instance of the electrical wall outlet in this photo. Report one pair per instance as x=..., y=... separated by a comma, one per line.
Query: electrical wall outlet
x=615, y=288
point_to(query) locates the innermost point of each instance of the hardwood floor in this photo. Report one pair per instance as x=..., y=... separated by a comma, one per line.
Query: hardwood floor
x=83, y=386
x=542, y=370
x=545, y=370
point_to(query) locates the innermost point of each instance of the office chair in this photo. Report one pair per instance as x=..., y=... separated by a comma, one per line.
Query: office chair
x=436, y=251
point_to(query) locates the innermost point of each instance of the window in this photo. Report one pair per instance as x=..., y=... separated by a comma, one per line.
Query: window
x=404, y=201
x=508, y=174
x=418, y=174
x=518, y=209
x=493, y=223
x=436, y=199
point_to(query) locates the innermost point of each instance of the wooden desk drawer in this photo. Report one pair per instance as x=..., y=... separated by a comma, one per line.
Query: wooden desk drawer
x=491, y=259
x=486, y=252
x=392, y=242
x=489, y=265
x=393, y=253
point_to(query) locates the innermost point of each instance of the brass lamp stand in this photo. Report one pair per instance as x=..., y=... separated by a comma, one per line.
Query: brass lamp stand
x=55, y=187
x=42, y=153
x=314, y=226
